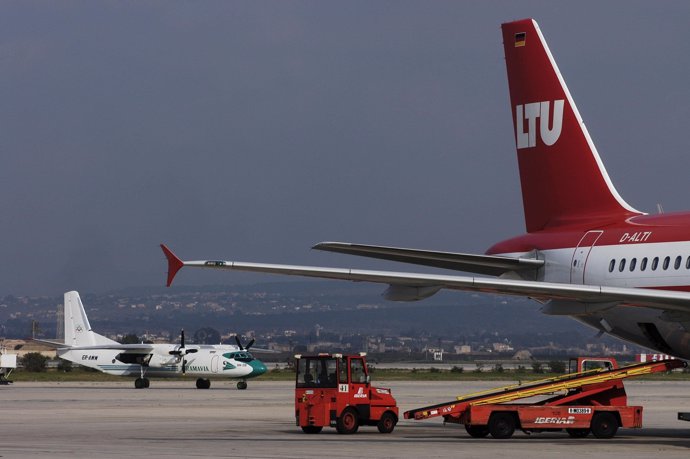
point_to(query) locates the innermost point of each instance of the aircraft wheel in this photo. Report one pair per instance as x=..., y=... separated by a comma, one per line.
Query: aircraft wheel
x=312, y=429
x=242, y=385
x=604, y=425
x=347, y=423
x=477, y=431
x=502, y=424
x=202, y=383
x=139, y=383
x=387, y=422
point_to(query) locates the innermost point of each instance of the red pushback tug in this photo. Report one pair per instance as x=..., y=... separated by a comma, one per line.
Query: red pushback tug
x=334, y=390
x=590, y=400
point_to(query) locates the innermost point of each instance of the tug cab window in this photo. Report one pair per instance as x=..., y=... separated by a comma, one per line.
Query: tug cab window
x=357, y=374
x=316, y=372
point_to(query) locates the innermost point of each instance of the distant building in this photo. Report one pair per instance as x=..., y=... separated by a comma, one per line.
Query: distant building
x=502, y=347
x=463, y=349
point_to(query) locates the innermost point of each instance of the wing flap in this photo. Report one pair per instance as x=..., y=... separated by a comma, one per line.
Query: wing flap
x=479, y=264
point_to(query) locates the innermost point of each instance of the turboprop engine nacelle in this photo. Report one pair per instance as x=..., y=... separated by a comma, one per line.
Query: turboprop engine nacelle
x=158, y=361
x=408, y=293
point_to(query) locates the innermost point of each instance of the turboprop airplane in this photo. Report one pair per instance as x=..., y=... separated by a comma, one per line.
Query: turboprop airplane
x=586, y=252
x=86, y=347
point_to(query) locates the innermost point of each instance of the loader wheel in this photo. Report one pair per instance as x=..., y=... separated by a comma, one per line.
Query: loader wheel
x=312, y=429
x=578, y=433
x=502, y=424
x=387, y=422
x=347, y=423
x=604, y=425
x=477, y=431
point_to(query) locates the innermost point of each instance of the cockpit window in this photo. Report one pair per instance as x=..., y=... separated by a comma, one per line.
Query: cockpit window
x=239, y=356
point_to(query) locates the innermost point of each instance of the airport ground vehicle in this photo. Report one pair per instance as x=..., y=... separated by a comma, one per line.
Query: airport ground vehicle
x=591, y=399
x=335, y=390
x=8, y=362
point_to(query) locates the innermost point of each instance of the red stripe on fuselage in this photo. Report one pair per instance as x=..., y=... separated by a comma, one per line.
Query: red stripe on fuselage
x=642, y=229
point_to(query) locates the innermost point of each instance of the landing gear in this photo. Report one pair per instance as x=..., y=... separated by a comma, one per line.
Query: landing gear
x=202, y=383
x=141, y=382
x=242, y=385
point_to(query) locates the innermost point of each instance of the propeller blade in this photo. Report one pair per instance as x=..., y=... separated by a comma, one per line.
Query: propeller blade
x=182, y=338
x=249, y=345
x=184, y=366
x=192, y=351
x=239, y=344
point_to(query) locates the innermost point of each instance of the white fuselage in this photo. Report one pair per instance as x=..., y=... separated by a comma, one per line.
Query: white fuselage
x=210, y=360
x=663, y=266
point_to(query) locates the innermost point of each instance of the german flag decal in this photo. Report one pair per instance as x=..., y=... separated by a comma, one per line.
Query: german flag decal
x=520, y=39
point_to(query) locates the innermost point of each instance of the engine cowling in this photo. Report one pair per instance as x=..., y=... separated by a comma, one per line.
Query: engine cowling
x=409, y=293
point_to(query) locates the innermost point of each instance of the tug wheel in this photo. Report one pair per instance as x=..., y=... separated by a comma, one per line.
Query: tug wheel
x=604, y=425
x=477, y=431
x=312, y=429
x=387, y=422
x=578, y=433
x=502, y=424
x=347, y=423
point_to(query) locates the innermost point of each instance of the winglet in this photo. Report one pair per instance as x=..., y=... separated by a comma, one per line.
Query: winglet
x=174, y=264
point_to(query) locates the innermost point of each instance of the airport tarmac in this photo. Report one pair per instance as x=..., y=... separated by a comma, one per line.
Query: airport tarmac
x=173, y=419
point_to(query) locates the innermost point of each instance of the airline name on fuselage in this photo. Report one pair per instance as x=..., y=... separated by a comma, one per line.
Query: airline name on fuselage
x=640, y=236
x=530, y=113
x=198, y=368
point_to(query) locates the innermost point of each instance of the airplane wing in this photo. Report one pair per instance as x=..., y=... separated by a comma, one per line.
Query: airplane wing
x=480, y=264
x=129, y=348
x=413, y=286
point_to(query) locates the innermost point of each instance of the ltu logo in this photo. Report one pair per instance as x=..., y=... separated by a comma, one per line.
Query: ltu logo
x=530, y=113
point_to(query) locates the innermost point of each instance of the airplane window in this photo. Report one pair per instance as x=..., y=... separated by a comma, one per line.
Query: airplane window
x=613, y=264
x=643, y=263
x=687, y=263
x=633, y=262
x=621, y=266
x=667, y=261
x=655, y=263
x=676, y=264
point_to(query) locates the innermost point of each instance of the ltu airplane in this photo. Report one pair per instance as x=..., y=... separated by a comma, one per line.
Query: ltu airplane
x=85, y=347
x=586, y=253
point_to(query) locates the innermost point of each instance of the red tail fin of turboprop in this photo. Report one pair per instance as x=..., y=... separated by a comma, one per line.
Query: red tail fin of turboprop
x=563, y=179
x=174, y=264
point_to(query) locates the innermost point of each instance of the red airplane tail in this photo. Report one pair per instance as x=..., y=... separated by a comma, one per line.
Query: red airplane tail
x=563, y=179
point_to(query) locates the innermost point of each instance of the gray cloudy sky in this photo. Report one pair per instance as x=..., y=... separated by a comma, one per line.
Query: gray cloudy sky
x=252, y=130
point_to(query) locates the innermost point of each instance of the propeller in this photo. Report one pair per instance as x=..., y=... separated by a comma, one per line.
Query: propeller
x=182, y=351
x=239, y=344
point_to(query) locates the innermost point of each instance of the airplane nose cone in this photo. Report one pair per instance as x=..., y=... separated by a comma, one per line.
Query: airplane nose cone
x=258, y=368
